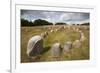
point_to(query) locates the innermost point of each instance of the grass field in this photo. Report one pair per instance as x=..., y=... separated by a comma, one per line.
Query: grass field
x=61, y=36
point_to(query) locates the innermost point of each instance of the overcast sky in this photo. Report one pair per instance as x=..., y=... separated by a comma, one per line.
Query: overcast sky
x=55, y=16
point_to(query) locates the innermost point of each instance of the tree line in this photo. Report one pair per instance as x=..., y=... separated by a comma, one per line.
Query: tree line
x=40, y=22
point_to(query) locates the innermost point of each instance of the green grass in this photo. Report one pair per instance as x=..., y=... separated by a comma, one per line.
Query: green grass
x=60, y=36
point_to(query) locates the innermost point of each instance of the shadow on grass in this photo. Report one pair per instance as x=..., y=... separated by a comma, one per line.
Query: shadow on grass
x=46, y=49
x=38, y=57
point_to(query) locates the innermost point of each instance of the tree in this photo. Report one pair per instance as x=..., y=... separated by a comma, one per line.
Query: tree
x=26, y=23
x=86, y=24
x=40, y=22
x=60, y=23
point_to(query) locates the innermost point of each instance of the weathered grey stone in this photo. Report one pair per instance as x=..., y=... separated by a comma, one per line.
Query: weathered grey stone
x=35, y=46
x=56, y=30
x=80, y=31
x=82, y=37
x=51, y=30
x=77, y=44
x=67, y=47
x=64, y=27
x=56, y=50
x=77, y=29
x=44, y=35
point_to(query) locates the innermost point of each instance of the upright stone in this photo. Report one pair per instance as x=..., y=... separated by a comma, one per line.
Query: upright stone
x=82, y=37
x=44, y=35
x=67, y=47
x=56, y=50
x=35, y=46
x=51, y=30
x=77, y=44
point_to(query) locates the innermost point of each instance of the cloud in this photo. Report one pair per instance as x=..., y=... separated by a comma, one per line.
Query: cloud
x=55, y=16
x=32, y=14
x=74, y=16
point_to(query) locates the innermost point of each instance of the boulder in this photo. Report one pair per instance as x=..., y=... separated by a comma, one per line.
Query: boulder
x=67, y=47
x=77, y=44
x=56, y=50
x=35, y=46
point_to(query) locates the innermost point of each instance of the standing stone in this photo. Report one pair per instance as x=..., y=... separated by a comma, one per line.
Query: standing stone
x=77, y=44
x=82, y=37
x=64, y=27
x=77, y=29
x=51, y=30
x=80, y=31
x=67, y=47
x=44, y=35
x=56, y=50
x=56, y=30
x=35, y=46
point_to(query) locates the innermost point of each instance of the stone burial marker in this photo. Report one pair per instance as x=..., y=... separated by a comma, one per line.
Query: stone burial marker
x=44, y=35
x=56, y=50
x=35, y=46
x=77, y=29
x=73, y=28
x=82, y=37
x=80, y=31
x=67, y=47
x=77, y=44
x=51, y=30
x=64, y=27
